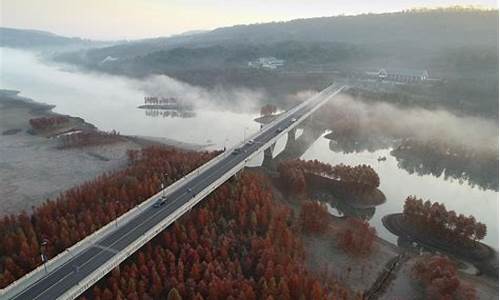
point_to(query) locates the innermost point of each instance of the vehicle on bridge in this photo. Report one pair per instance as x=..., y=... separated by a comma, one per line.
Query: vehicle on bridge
x=160, y=202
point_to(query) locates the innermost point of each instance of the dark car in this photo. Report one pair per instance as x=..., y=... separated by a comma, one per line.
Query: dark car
x=160, y=202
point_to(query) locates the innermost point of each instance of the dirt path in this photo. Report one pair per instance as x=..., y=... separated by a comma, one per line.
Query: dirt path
x=386, y=277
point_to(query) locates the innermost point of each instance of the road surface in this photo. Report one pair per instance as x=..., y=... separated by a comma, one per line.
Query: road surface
x=58, y=281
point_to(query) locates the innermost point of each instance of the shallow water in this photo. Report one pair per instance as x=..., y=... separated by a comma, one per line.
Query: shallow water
x=110, y=102
x=397, y=184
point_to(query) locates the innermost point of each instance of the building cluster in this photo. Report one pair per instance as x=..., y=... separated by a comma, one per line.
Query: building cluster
x=400, y=75
x=269, y=62
x=159, y=100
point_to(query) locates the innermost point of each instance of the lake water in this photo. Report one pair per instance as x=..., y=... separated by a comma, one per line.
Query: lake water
x=110, y=102
x=397, y=184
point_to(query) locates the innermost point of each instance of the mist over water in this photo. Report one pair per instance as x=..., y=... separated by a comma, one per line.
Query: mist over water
x=384, y=119
x=475, y=133
x=240, y=100
x=397, y=184
x=223, y=117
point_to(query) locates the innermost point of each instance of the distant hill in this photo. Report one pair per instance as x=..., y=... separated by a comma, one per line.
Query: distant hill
x=22, y=38
x=415, y=32
x=457, y=44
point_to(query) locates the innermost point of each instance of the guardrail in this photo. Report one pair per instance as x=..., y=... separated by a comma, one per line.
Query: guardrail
x=65, y=256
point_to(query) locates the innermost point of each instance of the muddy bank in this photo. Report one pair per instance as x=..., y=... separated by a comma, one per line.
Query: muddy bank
x=482, y=256
x=34, y=169
x=348, y=193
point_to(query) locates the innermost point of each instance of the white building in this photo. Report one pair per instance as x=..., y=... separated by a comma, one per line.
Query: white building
x=404, y=75
x=269, y=62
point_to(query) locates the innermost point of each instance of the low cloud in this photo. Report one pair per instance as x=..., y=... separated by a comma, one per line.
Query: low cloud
x=233, y=99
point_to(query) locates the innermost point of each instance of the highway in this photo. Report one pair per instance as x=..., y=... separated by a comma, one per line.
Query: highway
x=54, y=284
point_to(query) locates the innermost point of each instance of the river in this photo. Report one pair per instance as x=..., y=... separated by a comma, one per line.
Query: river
x=397, y=184
x=110, y=103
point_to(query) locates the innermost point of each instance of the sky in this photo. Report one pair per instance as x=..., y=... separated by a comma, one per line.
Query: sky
x=133, y=19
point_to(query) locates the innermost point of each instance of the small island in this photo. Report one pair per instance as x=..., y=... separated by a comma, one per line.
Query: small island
x=433, y=226
x=357, y=186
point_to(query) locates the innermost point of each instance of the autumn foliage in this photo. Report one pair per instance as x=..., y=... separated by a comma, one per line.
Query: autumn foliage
x=293, y=173
x=438, y=274
x=237, y=244
x=47, y=122
x=357, y=238
x=78, y=212
x=88, y=138
x=314, y=217
x=433, y=218
x=268, y=110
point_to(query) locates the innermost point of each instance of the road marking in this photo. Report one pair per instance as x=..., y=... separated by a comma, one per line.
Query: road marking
x=100, y=251
x=106, y=248
x=264, y=134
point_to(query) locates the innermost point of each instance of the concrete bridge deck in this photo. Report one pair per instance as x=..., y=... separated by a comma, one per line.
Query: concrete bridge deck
x=71, y=273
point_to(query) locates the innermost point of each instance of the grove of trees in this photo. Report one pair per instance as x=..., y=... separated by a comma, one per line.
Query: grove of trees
x=433, y=218
x=47, y=122
x=237, y=244
x=438, y=274
x=81, y=210
x=293, y=174
x=88, y=138
x=357, y=238
x=313, y=217
x=268, y=110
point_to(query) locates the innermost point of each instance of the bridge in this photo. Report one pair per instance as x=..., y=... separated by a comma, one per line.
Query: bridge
x=69, y=274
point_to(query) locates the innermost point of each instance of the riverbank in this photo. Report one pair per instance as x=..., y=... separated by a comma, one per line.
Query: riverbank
x=35, y=169
x=482, y=256
x=383, y=273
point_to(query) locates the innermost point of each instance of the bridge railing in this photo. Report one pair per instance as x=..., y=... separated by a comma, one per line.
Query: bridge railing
x=62, y=258
x=65, y=256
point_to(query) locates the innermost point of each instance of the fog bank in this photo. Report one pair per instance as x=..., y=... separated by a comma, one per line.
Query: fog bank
x=378, y=118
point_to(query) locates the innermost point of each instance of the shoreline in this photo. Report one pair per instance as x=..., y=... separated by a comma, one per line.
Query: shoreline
x=12, y=98
x=35, y=168
x=483, y=260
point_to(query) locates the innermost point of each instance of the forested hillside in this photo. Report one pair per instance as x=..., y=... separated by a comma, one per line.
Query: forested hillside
x=20, y=38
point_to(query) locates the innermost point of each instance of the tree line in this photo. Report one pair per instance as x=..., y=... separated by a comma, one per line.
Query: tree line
x=268, y=110
x=438, y=275
x=293, y=174
x=47, y=122
x=239, y=243
x=88, y=138
x=433, y=218
x=79, y=211
x=356, y=237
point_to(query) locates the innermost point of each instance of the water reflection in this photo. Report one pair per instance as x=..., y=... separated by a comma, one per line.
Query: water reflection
x=110, y=103
x=357, y=144
x=397, y=184
x=483, y=173
x=169, y=113
x=473, y=171
x=343, y=208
